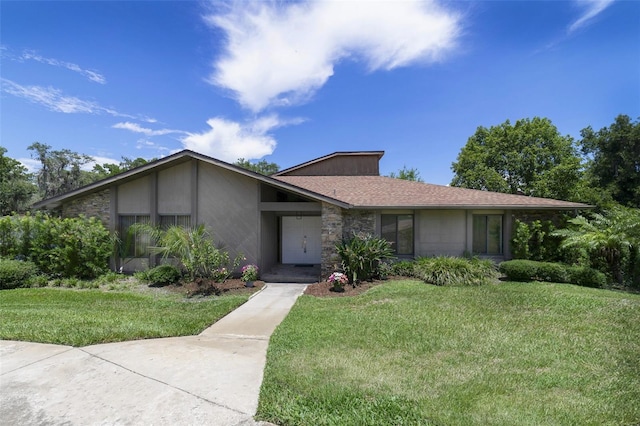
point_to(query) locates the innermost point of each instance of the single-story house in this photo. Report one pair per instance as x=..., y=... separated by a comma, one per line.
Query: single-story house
x=298, y=215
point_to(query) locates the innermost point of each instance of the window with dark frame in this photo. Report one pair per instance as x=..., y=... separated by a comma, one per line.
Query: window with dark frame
x=168, y=220
x=134, y=242
x=398, y=230
x=487, y=234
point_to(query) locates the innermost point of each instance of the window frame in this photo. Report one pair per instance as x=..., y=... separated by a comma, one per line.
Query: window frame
x=183, y=220
x=132, y=249
x=398, y=232
x=487, y=234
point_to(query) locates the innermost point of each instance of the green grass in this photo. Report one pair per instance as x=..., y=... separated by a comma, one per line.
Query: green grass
x=87, y=317
x=410, y=353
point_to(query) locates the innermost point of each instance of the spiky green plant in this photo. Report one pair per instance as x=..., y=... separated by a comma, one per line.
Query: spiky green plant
x=193, y=247
x=610, y=240
x=361, y=256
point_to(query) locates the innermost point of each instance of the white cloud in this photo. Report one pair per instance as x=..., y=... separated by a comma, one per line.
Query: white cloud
x=31, y=164
x=281, y=53
x=229, y=140
x=90, y=74
x=592, y=8
x=136, y=128
x=51, y=98
x=55, y=100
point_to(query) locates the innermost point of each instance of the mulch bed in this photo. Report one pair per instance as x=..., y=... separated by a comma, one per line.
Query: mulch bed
x=325, y=289
x=203, y=287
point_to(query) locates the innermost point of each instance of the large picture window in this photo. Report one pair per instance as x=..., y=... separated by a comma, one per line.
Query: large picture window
x=487, y=234
x=398, y=230
x=134, y=242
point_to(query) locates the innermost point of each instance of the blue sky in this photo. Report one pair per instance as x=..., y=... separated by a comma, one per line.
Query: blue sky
x=293, y=81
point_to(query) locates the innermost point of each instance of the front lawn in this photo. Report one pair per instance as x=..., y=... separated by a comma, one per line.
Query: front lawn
x=87, y=317
x=410, y=353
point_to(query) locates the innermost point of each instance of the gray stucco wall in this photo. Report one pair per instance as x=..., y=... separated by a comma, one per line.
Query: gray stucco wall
x=135, y=197
x=174, y=190
x=228, y=205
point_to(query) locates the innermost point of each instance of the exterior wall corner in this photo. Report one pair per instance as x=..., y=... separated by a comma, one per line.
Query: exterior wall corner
x=331, y=234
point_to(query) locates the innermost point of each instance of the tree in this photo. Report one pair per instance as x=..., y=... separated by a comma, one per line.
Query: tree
x=610, y=242
x=60, y=170
x=262, y=167
x=103, y=171
x=407, y=174
x=614, y=159
x=16, y=185
x=530, y=158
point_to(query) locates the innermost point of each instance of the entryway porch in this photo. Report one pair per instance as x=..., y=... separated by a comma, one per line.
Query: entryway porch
x=286, y=273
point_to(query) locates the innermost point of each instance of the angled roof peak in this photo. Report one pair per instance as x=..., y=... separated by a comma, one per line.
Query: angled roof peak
x=339, y=163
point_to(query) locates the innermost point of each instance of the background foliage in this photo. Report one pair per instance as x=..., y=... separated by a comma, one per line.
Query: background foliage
x=71, y=247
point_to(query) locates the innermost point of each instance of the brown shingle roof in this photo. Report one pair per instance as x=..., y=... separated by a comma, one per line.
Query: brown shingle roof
x=385, y=192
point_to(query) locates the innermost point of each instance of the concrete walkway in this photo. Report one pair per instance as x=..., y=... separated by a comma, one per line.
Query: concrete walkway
x=213, y=378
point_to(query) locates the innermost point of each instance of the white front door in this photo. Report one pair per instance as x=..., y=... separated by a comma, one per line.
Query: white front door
x=301, y=242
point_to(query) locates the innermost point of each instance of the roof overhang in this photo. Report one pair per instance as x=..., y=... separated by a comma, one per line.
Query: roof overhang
x=170, y=161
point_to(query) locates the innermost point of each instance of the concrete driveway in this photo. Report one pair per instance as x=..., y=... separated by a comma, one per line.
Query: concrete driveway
x=213, y=378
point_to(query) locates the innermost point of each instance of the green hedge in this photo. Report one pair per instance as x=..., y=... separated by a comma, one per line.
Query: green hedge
x=454, y=271
x=16, y=273
x=530, y=270
x=403, y=268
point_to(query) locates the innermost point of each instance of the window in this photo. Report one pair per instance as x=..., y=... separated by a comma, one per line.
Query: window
x=487, y=234
x=134, y=243
x=398, y=230
x=167, y=221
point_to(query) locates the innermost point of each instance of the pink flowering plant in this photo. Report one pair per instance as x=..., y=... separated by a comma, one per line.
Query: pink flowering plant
x=338, y=279
x=249, y=273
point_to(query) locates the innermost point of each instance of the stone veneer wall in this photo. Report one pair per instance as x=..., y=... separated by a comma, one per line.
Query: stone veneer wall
x=331, y=235
x=93, y=205
x=358, y=221
x=339, y=224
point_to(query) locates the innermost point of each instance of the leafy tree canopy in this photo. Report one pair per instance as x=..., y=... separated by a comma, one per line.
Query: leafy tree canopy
x=530, y=157
x=60, y=170
x=16, y=185
x=102, y=171
x=263, y=167
x=407, y=174
x=614, y=159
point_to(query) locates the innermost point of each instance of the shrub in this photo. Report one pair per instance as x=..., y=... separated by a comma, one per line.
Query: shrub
x=361, y=256
x=160, y=275
x=71, y=282
x=194, y=248
x=519, y=270
x=37, y=281
x=454, y=271
x=535, y=241
x=586, y=277
x=71, y=247
x=552, y=272
x=529, y=270
x=16, y=273
x=403, y=268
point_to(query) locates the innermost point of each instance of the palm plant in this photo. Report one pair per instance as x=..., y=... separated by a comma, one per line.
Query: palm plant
x=611, y=241
x=193, y=247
